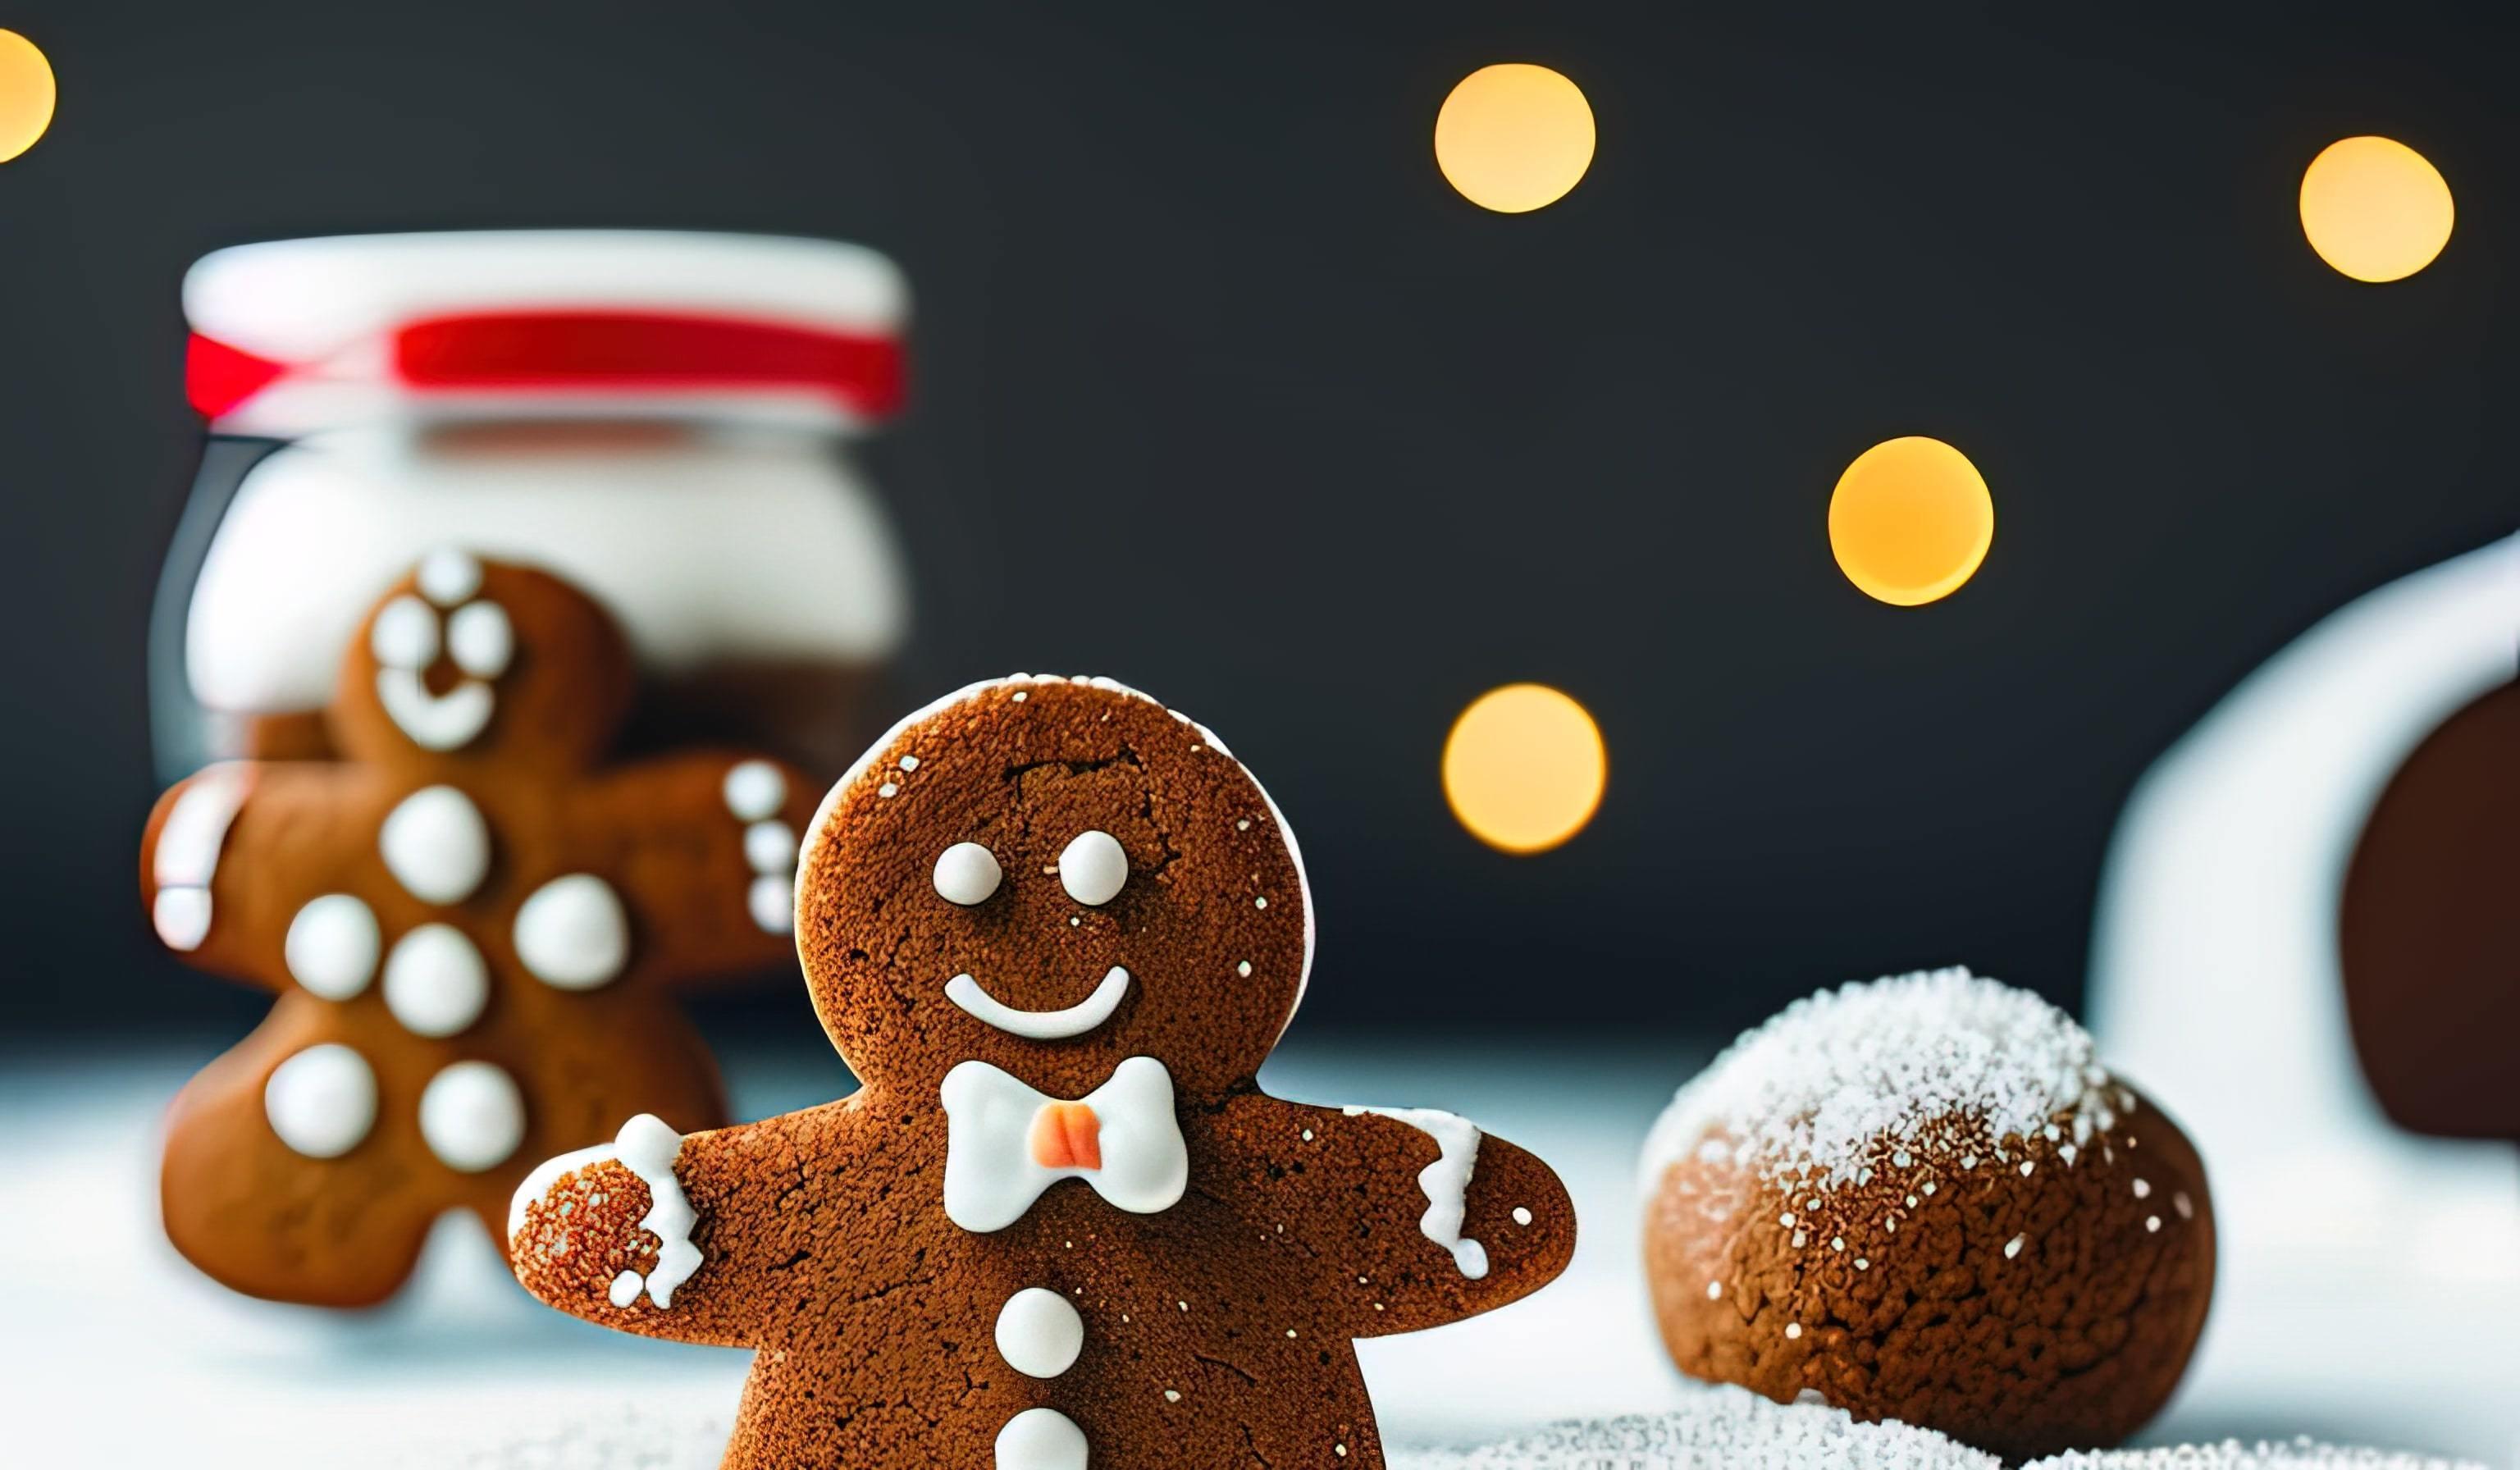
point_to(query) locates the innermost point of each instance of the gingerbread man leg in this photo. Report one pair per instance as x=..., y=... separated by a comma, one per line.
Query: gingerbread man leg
x=273, y=1181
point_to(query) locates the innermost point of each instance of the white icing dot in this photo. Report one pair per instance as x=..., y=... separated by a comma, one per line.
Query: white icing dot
x=2142, y=1190
x=1259, y=903
x=480, y=639
x=888, y=790
x=2012, y=1247
x=322, y=1101
x=436, y=844
x=909, y=763
x=1020, y=697
x=1242, y=824
x=772, y=901
x=2187, y=1208
x=1794, y=1330
x=332, y=946
x=448, y=576
x=1172, y=1396
x=771, y=847
x=182, y=917
x=967, y=874
x=1713, y=1291
x=435, y=983
x=626, y=1288
x=2026, y=1167
x=1244, y=969
x=472, y=1115
x=1041, y=1439
x=2152, y=1223
x=1039, y=1333
x=404, y=635
x=572, y=934
x=754, y=790
x=1092, y=868
x=1521, y=1216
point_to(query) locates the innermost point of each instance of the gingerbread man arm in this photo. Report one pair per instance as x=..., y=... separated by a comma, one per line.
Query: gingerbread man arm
x=231, y=852
x=704, y=846
x=676, y=1236
x=1416, y=1216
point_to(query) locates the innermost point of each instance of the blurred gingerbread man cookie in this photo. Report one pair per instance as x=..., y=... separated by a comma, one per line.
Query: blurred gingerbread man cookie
x=471, y=923
x=1055, y=928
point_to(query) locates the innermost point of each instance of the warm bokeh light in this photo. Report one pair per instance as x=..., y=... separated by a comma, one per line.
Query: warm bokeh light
x=25, y=95
x=2375, y=208
x=1909, y=520
x=1513, y=137
x=1523, y=768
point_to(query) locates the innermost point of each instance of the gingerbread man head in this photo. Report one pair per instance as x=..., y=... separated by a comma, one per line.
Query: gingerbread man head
x=472, y=923
x=1052, y=876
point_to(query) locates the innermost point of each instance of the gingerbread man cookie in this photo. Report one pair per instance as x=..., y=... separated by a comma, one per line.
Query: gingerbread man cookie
x=1053, y=929
x=471, y=922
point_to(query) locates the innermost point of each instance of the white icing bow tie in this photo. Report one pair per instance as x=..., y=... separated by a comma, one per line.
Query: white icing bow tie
x=1004, y=1143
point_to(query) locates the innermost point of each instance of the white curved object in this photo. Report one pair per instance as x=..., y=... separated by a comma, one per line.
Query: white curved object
x=2216, y=986
x=1041, y=1025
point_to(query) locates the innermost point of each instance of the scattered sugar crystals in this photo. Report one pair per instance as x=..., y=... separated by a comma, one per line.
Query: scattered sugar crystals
x=1899, y=1070
x=1721, y=1428
x=2231, y=1454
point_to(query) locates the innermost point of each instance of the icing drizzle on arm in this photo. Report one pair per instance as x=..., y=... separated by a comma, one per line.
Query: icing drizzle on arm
x=647, y=1148
x=1446, y=1182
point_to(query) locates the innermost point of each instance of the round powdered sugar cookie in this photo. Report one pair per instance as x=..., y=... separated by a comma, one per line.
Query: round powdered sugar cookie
x=1055, y=928
x=1925, y=1198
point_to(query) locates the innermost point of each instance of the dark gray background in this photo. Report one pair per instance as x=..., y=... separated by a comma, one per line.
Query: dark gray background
x=1221, y=390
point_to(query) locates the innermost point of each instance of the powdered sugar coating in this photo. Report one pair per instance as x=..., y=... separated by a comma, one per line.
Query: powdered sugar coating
x=1926, y=1061
x=2302, y=1454
x=1722, y=1428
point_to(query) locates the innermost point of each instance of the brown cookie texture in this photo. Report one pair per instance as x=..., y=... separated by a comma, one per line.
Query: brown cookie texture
x=1102, y=1240
x=472, y=923
x=1923, y=1199
x=2429, y=929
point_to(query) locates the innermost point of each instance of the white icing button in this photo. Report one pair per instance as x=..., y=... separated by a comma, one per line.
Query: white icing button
x=182, y=917
x=404, y=635
x=332, y=946
x=480, y=639
x=754, y=790
x=967, y=874
x=1039, y=1333
x=322, y=1101
x=572, y=934
x=1041, y=1439
x=772, y=901
x=448, y=576
x=435, y=983
x=1092, y=869
x=436, y=844
x=471, y=1115
x=770, y=847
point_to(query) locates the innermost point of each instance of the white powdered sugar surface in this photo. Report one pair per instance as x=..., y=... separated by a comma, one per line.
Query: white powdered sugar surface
x=1722, y=1428
x=2231, y=1454
x=1927, y=1060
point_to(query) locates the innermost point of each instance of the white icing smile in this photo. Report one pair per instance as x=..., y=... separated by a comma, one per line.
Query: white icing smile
x=1041, y=1025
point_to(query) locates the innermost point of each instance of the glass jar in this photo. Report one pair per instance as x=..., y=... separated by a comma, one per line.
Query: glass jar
x=660, y=418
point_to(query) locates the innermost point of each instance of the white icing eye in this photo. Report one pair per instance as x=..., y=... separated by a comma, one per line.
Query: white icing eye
x=480, y=639
x=1093, y=868
x=404, y=635
x=967, y=874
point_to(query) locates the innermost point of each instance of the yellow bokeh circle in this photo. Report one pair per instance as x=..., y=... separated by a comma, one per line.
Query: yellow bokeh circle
x=1513, y=137
x=2375, y=208
x=1524, y=767
x=27, y=94
x=1911, y=521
